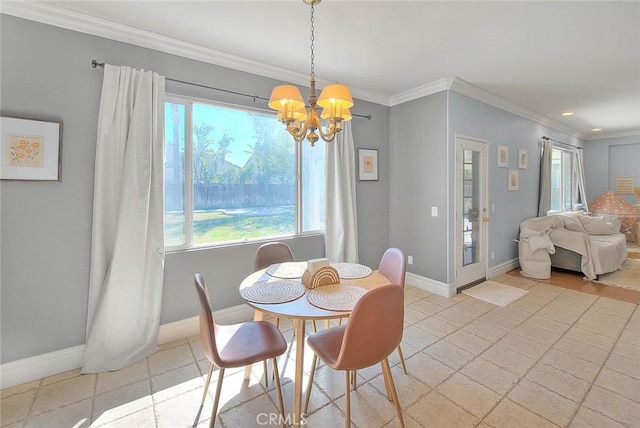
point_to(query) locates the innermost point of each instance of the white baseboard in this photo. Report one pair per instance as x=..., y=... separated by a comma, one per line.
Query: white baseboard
x=503, y=268
x=430, y=285
x=51, y=363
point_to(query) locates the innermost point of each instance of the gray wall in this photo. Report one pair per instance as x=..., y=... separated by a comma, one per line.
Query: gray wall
x=46, y=227
x=419, y=170
x=606, y=159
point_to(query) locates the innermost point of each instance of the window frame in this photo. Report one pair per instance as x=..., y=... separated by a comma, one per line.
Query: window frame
x=188, y=102
x=572, y=185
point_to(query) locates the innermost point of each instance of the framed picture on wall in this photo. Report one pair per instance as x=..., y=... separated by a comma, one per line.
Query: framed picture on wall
x=523, y=159
x=514, y=179
x=503, y=157
x=30, y=149
x=367, y=164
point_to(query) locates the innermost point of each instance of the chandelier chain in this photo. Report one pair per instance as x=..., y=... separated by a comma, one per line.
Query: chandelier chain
x=312, y=40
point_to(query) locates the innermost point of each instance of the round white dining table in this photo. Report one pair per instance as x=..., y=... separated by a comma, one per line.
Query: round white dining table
x=300, y=310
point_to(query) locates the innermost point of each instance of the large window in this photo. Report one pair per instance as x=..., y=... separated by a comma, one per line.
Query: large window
x=565, y=176
x=234, y=174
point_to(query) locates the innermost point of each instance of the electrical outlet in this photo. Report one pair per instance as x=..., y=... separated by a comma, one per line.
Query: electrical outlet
x=410, y=260
x=493, y=255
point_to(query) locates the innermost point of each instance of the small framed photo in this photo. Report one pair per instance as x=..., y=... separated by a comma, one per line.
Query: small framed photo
x=503, y=157
x=30, y=149
x=368, y=164
x=523, y=158
x=514, y=179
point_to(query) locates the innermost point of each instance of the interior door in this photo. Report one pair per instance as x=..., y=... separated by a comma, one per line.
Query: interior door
x=471, y=211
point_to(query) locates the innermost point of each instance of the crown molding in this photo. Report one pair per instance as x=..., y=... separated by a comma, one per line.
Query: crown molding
x=599, y=136
x=57, y=16
x=465, y=88
x=422, y=91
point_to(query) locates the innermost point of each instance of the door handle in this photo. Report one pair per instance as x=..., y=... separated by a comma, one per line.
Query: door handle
x=485, y=219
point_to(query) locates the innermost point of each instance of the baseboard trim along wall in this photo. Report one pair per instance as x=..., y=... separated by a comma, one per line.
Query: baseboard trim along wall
x=502, y=268
x=430, y=285
x=51, y=363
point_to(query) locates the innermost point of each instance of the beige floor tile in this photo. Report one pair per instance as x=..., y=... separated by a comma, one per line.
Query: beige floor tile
x=569, y=364
x=468, y=341
x=524, y=346
x=426, y=307
x=543, y=402
x=317, y=400
x=445, y=302
x=517, y=315
x=485, y=331
x=597, y=340
x=558, y=381
x=77, y=415
x=619, y=383
x=537, y=334
x=449, y=354
x=469, y=394
x=614, y=307
x=526, y=306
x=328, y=416
x=614, y=406
x=547, y=324
x=556, y=313
x=62, y=393
x=236, y=390
x=617, y=321
x=437, y=411
x=121, y=402
x=261, y=412
x=413, y=316
x=182, y=410
x=60, y=376
x=629, y=336
x=436, y=327
x=509, y=360
x=410, y=298
x=369, y=407
x=418, y=338
x=510, y=414
x=145, y=418
x=454, y=317
x=581, y=350
x=410, y=289
x=173, y=344
x=428, y=370
x=329, y=381
x=598, y=327
x=497, y=320
x=16, y=407
x=409, y=422
x=112, y=380
x=170, y=358
x=628, y=366
x=490, y=375
x=473, y=307
x=178, y=381
x=587, y=418
x=407, y=351
x=626, y=349
x=408, y=387
x=19, y=389
x=516, y=281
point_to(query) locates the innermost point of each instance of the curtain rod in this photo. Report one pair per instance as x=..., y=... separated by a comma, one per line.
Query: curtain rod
x=96, y=64
x=561, y=142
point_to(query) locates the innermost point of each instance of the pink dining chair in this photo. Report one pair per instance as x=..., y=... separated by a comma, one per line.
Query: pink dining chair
x=270, y=253
x=237, y=345
x=374, y=330
x=392, y=266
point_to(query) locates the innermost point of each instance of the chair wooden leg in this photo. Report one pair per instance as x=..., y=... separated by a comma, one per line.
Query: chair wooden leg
x=206, y=385
x=387, y=370
x=404, y=367
x=347, y=397
x=354, y=379
x=266, y=373
x=217, y=398
x=279, y=388
x=310, y=385
x=315, y=328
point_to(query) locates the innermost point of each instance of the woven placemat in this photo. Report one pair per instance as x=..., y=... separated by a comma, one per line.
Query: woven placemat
x=273, y=291
x=351, y=270
x=287, y=270
x=341, y=298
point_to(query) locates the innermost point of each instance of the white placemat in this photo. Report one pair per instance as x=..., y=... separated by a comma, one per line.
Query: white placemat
x=280, y=291
x=341, y=298
x=287, y=270
x=351, y=270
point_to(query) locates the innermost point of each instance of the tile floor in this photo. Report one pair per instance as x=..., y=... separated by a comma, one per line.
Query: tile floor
x=556, y=357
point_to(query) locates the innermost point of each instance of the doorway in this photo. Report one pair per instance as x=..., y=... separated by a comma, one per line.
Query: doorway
x=472, y=219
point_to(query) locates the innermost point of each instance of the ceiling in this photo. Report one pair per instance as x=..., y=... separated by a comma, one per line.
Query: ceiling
x=545, y=58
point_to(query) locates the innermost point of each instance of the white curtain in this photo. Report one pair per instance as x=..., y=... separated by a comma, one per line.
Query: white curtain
x=127, y=247
x=580, y=179
x=544, y=201
x=341, y=225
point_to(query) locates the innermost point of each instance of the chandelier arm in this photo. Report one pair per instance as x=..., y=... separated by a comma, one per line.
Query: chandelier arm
x=302, y=132
x=331, y=133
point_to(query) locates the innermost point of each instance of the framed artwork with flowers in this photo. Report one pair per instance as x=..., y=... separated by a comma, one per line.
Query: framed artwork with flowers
x=30, y=149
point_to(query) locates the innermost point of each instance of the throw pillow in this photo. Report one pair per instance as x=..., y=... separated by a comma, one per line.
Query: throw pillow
x=572, y=222
x=595, y=225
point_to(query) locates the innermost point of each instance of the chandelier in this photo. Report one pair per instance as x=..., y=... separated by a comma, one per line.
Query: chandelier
x=302, y=121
